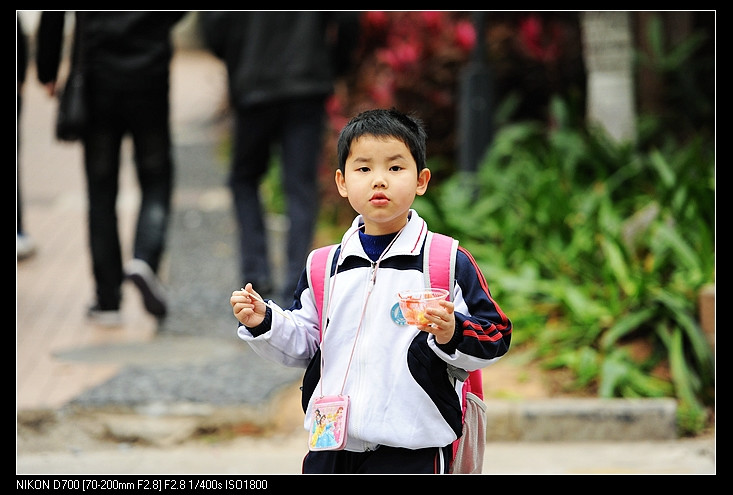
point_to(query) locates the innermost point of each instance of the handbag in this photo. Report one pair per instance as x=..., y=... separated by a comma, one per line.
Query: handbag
x=330, y=423
x=71, y=120
x=73, y=114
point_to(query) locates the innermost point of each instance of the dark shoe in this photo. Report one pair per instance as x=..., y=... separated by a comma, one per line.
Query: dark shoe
x=24, y=247
x=104, y=317
x=153, y=292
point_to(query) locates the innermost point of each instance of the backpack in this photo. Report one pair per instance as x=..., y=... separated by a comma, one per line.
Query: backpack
x=439, y=270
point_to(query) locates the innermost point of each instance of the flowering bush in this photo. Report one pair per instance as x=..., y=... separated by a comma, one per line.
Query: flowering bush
x=413, y=61
x=536, y=56
x=410, y=61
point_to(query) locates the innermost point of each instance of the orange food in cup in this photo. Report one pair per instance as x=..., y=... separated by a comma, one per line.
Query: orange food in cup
x=413, y=303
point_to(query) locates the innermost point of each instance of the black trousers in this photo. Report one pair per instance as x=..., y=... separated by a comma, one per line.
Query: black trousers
x=384, y=460
x=296, y=126
x=143, y=115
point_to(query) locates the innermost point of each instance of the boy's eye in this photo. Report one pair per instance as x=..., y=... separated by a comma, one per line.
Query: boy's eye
x=363, y=169
x=395, y=168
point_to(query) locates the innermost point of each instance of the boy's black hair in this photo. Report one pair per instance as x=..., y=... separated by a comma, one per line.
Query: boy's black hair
x=384, y=123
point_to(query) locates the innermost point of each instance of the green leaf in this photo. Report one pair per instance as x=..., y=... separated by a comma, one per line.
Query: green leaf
x=617, y=264
x=680, y=314
x=613, y=373
x=624, y=325
x=686, y=257
x=666, y=175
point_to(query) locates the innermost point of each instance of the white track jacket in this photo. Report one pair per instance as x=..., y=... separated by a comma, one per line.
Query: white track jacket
x=394, y=374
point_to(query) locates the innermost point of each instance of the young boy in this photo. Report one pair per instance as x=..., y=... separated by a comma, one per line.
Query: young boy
x=404, y=411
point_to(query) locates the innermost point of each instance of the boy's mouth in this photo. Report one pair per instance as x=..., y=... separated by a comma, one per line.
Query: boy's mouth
x=379, y=199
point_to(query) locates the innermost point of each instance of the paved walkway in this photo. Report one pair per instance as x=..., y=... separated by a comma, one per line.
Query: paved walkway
x=283, y=454
x=55, y=287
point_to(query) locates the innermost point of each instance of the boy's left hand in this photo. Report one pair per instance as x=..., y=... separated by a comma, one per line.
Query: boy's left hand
x=441, y=322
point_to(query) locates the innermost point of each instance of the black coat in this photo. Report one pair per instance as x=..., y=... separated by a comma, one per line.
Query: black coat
x=120, y=49
x=278, y=55
x=22, y=54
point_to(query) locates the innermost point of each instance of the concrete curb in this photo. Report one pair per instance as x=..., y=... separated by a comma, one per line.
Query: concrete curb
x=567, y=420
x=537, y=420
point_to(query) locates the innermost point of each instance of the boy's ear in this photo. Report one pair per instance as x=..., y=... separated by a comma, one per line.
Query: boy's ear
x=341, y=184
x=422, y=181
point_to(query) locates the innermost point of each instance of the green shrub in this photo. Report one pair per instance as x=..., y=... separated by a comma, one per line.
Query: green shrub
x=597, y=251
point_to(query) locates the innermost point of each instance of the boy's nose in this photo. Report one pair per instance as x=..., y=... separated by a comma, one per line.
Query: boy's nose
x=379, y=182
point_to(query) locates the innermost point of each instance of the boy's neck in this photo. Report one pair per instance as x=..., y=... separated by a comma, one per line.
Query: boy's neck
x=392, y=227
x=374, y=245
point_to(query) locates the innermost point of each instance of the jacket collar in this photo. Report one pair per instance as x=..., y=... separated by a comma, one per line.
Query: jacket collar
x=409, y=242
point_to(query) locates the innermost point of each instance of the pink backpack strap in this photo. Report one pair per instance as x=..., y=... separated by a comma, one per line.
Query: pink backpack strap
x=319, y=278
x=440, y=261
x=476, y=380
x=440, y=267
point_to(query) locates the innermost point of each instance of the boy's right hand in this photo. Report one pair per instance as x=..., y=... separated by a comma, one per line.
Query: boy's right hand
x=248, y=306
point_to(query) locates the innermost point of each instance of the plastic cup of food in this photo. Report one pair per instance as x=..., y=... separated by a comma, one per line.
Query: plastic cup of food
x=413, y=303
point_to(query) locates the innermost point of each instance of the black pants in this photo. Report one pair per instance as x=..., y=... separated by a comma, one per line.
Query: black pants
x=145, y=117
x=297, y=127
x=384, y=460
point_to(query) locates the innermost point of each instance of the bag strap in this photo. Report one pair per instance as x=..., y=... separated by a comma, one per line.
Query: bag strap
x=438, y=273
x=439, y=268
x=319, y=276
x=441, y=274
x=438, y=248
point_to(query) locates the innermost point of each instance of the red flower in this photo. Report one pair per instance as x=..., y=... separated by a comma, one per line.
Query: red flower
x=382, y=95
x=433, y=21
x=534, y=38
x=465, y=35
x=375, y=19
x=399, y=57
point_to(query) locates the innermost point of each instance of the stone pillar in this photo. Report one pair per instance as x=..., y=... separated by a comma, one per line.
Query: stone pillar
x=608, y=51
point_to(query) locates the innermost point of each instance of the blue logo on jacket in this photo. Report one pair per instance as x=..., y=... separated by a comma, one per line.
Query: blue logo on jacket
x=396, y=315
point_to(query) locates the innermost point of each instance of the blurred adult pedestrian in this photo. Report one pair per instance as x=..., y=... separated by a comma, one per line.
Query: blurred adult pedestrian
x=281, y=68
x=25, y=247
x=127, y=57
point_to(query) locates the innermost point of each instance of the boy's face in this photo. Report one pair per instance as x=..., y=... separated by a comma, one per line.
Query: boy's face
x=380, y=180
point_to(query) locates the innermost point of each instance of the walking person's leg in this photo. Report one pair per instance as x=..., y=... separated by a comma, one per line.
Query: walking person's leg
x=250, y=158
x=302, y=143
x=148, y=117
x=102, y=164
x=24, y=245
